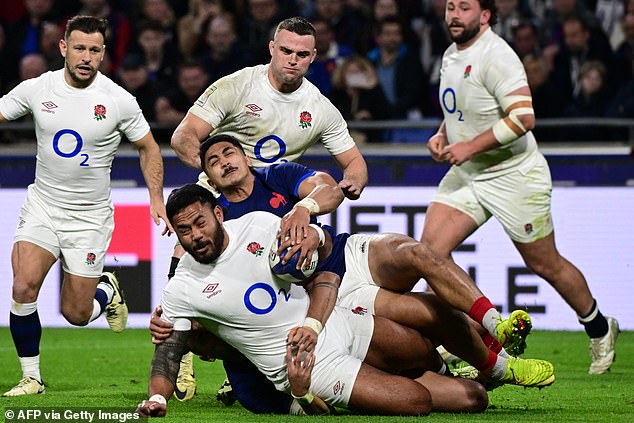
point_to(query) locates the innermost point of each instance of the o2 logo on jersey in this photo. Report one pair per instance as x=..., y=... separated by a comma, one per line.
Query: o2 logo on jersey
x=449, y=96
x=268, y=289
x=257, y=150
x=79, y=143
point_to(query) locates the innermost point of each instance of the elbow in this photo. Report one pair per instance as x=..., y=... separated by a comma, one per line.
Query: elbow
x=528, y=121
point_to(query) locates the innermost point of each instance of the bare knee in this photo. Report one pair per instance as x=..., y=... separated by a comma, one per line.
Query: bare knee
x=75, y=315
x=25, y=290
x=477, y=399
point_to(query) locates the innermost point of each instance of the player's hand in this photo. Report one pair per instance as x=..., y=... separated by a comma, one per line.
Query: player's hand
x=158, y=213
x=435, y=146
x=306, y=248
x=159, y=328
x=299, y=366
x=149, y=408
x=458, y=153
x=351, y=189
x=295, y=224
x=302, y=336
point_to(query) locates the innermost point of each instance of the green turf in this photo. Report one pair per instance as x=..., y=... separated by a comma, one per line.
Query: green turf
x=97, y=368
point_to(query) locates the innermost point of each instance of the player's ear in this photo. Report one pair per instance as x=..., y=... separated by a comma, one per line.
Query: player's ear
x=485, y=17
x=63, y=47
x=219, y=214
x=211, y=184
x=271, y=47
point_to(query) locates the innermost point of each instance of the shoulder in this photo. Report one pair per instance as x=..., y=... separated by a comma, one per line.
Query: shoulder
x=107, y=85
x=255, y=220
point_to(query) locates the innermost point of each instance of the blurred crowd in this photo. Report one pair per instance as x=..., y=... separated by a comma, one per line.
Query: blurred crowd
x=376, y=59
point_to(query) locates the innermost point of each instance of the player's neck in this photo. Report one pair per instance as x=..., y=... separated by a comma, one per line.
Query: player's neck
x=240, y=192
x=472, y=41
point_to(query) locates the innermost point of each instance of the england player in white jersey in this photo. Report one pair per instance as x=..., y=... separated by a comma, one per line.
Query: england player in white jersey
x=274, y=111
x=80, y=116
x=226, y=284
x=498, y=171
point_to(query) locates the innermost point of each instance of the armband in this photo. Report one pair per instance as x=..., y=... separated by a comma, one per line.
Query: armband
x=158, y=398
x=304, y=399
x=314, y=324
x=310, y=204
x=320, y=232
x=503, y=132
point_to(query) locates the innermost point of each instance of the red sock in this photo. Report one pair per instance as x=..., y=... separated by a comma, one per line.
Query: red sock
x=479, y=309
x=488, y=363
x=491, y=342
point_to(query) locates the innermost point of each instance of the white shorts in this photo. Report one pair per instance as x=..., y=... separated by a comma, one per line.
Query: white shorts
x=519, y=200
x=79, y=238
x=358, y=290
x=342, y=347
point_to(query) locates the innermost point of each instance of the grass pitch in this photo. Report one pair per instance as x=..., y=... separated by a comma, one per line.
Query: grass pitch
x=98, y=368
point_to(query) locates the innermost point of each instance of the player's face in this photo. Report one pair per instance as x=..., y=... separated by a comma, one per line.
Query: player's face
x=226, y=166
x=465, y=20
x=199, y=230
x=83, y=54
x=291, y=55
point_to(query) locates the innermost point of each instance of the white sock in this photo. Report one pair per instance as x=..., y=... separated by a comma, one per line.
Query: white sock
x=498, y=370
x=490, y=321
x=31, y=367
x=96, y=310
x=503, y=353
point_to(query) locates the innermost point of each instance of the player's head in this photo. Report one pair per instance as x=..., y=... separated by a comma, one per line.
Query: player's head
x=197, y=220
x=466, y=19
x=224, y=161
x=292, y=51
x=83, y=49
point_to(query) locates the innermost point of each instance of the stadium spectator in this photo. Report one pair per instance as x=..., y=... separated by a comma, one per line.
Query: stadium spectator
x=49, y=45
x=546, y=102
x=256, y=27
x=497, y=170
x=525, y=40
x=400, y=73
x=191, y=26
x=358, y=96
x=133, y=76
x=625, y=50
x=31, y=66
x=509, y=16
x=159, y=11
x=171, y=106
x=346, y=22
x=330, y=54
x=68, y=213
x=159, y=52
x=224, y=53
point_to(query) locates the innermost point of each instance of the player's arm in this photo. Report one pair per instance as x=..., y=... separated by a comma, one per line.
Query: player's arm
x=163, y=373
x=519, y=118
x=322, y=291
x=319, y=194
x=3, y=119
x=355, y=172
x=152, y=168
x=437, y=142
x=187, y=137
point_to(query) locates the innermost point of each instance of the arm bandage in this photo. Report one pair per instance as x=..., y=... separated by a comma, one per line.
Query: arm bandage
x=320, y=232
x=310, y=204
x=314, y=324
x=510, y=127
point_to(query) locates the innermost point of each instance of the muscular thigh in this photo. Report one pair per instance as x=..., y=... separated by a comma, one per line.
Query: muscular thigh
x=520, y=200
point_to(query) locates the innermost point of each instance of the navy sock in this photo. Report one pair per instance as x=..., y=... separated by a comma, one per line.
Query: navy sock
x=594, y=323
x=102, y=298
x=26, y=332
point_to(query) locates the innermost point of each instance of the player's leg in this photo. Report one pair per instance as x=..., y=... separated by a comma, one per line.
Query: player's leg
x=30, y=265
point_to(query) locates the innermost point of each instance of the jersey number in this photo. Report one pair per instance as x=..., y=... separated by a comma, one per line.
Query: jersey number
x=452, y=98
x=79, y=143
x=258, y=149
x=269, y=290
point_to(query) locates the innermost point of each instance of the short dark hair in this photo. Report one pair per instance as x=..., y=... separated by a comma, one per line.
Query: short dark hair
x=87, y=25
x=389, y=20
x=297, y=25
x=490, y=6
x=187, y=195
x=215, y=139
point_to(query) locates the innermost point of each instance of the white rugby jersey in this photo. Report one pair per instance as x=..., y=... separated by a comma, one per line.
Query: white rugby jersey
x=272, y=127
x=78, y=131
x=472, y=81
x=238, y=298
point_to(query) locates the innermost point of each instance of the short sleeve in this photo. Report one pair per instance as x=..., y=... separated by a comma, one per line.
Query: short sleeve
x=132, y=123
x=16, y=103
x=335, y=136
x=505, y=73
x=215, y=104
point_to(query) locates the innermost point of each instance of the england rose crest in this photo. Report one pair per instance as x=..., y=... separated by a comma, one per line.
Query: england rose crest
x=304, y=119
x=90, y=258
x=255, y=249
x=100, y=112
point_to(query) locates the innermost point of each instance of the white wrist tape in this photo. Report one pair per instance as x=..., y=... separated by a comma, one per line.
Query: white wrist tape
x=320, y=232
x=310, y=204
x=304, y=399
x=158, y=398
x=314, y=324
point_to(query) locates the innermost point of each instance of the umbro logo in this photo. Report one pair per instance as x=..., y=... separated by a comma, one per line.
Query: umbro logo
x=210, y=289
x=49, y=105
x=253, y=109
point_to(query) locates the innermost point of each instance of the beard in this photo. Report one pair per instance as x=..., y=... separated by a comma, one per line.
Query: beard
x=77, y=79
x=468, y=34
x=214, y=251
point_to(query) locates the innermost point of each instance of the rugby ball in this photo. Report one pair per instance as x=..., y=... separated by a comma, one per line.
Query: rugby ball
x=288, y=271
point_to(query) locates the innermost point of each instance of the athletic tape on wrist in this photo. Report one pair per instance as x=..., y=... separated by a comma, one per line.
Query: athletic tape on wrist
x=158, y=398
x=310, y=204
x=314, y=324
x=304, y=399
x=320, y=232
